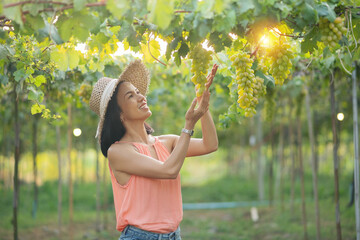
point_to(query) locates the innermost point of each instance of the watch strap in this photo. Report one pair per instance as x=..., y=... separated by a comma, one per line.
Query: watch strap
x=190, y=132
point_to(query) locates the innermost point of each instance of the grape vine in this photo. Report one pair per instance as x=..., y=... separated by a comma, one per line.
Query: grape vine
x=29, y=66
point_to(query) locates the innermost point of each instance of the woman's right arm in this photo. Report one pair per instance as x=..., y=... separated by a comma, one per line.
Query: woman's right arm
x=124, y=158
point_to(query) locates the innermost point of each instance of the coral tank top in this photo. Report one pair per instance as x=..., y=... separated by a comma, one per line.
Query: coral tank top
x=150, y=204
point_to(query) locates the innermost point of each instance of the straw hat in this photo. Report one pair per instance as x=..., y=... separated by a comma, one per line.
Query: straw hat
x=135, y=73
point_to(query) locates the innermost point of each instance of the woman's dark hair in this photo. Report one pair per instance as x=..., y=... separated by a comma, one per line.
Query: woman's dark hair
x=113, y=129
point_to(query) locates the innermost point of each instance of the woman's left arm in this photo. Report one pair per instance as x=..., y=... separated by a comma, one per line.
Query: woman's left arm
x=209, y=141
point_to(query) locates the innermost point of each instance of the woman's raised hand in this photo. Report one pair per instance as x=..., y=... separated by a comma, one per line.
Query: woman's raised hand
x=193, y=115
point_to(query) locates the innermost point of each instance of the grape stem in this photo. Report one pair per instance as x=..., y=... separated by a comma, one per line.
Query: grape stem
x=342, y=64
x=255, y=51
x=293, y=36
x=47, y=47
x=287, y=35
x=351, y=27
x=244, y=46
x=218, y=59
x=182, y=11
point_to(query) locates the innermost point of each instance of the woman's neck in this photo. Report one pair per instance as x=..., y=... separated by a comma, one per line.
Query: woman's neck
x=136, y=132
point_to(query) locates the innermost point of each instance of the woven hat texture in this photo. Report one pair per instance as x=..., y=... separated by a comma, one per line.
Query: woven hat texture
x=136, y=73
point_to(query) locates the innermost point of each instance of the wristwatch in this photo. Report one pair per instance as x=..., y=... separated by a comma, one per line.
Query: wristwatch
x=190, y=132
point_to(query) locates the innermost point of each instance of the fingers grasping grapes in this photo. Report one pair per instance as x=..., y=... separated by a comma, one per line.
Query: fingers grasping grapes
x=200, y=63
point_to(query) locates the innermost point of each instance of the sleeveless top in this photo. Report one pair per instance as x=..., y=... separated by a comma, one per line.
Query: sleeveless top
x=147, y=203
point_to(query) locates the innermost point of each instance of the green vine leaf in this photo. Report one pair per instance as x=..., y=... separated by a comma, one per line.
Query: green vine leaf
x=183, y=50
x=325, y=10
x=20, y=75
x=161, y=12
x=65, y=58
x=79, y=5
x=3, y=52
x=154, y=49
x=34, y=95
x=14, y=13
x=36, y=22
x=37, y=108
x=117, y=7
x=310, y=41
x=309, y=14
x=39, y=80
x=77, y=25
x=33, y=9
x=245, y=6
x=225, y=22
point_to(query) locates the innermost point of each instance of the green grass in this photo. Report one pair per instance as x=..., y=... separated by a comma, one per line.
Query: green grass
x=227, y=224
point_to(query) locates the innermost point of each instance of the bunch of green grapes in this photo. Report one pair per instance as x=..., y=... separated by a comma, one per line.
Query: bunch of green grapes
x=249, y=87
x=259, y=90
x=270, y=105
x=262, y=65
x=200, y=63
x=280, y=61
x=331, y=32
x=85, y=92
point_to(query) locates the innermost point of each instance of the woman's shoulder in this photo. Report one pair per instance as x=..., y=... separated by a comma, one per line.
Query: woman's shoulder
x=167, y=137
x=168, y=140
x=120, y=147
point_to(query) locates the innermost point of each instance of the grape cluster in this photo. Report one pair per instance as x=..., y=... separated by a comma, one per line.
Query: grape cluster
x=249, y=87
x=270, y=105
x=200, y=63
x=85, y=92
x=262, y=65
x=280, y=61
x=331, y=32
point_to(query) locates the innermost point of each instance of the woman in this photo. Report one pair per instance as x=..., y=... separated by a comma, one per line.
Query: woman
x=145, y=169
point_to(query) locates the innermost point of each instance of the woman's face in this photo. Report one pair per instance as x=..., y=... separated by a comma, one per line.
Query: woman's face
x=132, y=103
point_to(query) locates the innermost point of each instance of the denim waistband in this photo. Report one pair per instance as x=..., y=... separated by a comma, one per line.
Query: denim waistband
x=146, y=235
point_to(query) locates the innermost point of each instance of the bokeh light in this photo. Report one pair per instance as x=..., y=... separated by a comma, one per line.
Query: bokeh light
x=77, y=132
x=340, y=116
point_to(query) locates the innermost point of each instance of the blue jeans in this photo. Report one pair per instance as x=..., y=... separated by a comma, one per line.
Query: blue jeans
x=134, y=233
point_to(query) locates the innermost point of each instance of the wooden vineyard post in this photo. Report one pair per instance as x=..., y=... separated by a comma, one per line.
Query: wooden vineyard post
x=335, y=155
x=69, y=135
x=292, y=153
x=313, y=163
x=301, y=165
x=58, y=149
x=16, y=166
x=356, y=150
x=259, y=158
x=35, y=150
